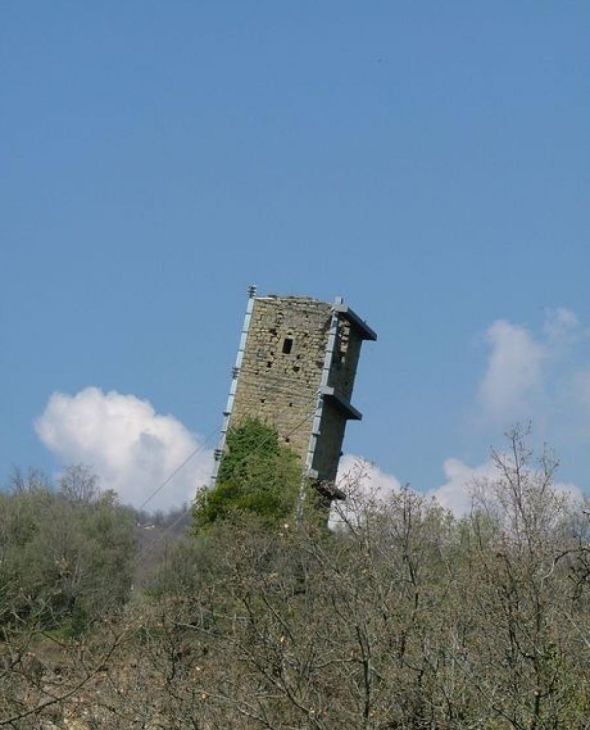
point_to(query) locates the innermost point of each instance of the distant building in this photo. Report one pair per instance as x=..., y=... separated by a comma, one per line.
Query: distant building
x=295, y=370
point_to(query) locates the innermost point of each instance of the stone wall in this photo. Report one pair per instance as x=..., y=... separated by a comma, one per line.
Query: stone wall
x=282, y=364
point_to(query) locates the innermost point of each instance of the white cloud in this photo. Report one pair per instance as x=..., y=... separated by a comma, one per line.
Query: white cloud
x=370, y=478
x=455, y=494
x=561, y=325
x=131, y=448
x=464, y=481
x=361, y=481
x=514, y=371
x=526, y=377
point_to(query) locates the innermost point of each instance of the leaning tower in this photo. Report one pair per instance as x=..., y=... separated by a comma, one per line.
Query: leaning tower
x=295, y=371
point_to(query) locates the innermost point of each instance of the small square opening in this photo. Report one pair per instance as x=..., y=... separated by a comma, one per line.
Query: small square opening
x=287, y=345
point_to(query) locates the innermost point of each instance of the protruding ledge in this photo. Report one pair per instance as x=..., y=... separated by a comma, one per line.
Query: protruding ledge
x=349, y=410
x=365, y=331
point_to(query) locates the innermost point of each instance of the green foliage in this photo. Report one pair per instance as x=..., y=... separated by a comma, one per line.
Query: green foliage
x=65, y=554
x=257, y=475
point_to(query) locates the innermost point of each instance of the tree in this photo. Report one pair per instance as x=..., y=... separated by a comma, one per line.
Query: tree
x=68, y=549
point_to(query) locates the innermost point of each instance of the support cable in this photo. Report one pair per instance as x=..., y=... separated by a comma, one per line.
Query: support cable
x=197, y=450
x=149, y=549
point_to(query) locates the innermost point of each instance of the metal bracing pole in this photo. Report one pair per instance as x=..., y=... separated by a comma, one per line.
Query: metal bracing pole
x=234, y=383
x=317, y=418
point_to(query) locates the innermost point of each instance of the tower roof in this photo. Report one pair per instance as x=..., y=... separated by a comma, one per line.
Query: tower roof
x=363, y=328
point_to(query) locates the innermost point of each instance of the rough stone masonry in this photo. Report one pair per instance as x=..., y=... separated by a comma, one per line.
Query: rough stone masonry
x=295, y=370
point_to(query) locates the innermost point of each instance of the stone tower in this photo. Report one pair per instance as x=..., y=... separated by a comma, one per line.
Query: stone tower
x=295, y=370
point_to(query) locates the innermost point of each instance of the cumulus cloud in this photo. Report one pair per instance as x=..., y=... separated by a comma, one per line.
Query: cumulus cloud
x=131, y=448
x=523, y=366
x=528, y=376
x=514, y=371
x=371, y=479
x=360, y=480
x=561, y=325
x=464, y=481
x=454, y=494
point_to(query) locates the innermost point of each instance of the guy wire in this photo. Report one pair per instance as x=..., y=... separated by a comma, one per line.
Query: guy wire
x=150, y=548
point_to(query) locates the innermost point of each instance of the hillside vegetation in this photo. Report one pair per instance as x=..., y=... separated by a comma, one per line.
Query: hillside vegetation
x=403, y=617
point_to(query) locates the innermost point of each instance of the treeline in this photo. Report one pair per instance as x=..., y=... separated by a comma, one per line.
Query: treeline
x=404, y=617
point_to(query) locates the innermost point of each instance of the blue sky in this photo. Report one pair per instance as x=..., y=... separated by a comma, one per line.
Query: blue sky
x=428, y=161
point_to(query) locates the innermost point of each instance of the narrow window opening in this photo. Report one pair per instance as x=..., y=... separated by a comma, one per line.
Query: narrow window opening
x=287, y=345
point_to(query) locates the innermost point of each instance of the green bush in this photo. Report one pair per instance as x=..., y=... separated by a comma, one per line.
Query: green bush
x=66, y=553
x=257, y=475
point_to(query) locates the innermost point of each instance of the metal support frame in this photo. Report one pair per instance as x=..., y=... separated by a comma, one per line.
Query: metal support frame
x=349, y=411
x=309, y=471
x=234, y=384
x=362, y=327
